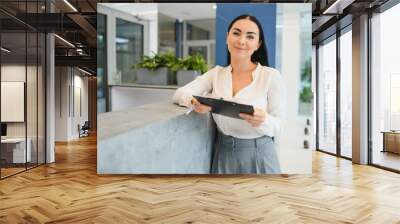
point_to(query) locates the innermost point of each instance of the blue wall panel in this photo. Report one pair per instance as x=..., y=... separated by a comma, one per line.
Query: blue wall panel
x=226, y=12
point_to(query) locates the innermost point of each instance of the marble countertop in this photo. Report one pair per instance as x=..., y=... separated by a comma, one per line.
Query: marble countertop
x=146, y=86
x=113, y=123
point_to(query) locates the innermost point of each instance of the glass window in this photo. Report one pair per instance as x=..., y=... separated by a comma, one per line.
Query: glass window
x=129, y=47
x=200, y=39
x=31, y=99
x=166, y=33
x=306, y=95
x=327, y=96
x=385, y=84
x=41, y=87
x=22, y=92
x=346, y=94
x=199, y=29
x=14, y=153
x=201, y=50
x=101, y=63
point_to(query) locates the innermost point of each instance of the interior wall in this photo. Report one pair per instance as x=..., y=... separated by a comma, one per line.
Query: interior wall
x=71, y=102
x=17, y=73
x=293, y=157
x=80, y=103
x=62, y=81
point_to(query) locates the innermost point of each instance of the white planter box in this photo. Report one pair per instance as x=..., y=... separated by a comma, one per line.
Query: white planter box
x=186, y=76
x=160, y=76
x=305, y=108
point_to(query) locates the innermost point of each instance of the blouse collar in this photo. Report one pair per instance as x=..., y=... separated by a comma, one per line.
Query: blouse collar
x=229, y=69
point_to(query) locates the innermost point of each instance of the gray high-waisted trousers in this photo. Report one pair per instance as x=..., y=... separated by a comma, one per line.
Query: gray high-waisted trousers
x=244, y=156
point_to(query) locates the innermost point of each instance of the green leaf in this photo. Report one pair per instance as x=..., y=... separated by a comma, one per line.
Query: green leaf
x=170, y=61
x=306, y=95
x=195, y=62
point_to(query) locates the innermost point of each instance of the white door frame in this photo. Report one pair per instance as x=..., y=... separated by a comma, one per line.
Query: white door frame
x=199, y=43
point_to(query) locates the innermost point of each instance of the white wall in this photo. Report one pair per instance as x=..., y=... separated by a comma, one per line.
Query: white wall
x=69, y=85
x=33, y=126
x=61, y=103
x=12, y=73
x=293, y=157
x=79, y=117
x=50, y=95
x=12, y=101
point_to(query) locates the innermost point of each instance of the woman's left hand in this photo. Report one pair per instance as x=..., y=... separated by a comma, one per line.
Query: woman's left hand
x=256, y=119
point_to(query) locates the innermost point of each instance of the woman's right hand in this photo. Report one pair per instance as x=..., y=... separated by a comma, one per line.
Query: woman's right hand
x=200, y=108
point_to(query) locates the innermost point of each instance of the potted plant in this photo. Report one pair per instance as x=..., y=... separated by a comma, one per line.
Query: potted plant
x=306, y=94
x=189, y=68
x=156, y=70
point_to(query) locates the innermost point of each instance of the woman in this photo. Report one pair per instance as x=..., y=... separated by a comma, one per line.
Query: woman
x=243, y=146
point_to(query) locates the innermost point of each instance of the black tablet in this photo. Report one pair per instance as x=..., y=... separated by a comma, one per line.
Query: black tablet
x=226, y=108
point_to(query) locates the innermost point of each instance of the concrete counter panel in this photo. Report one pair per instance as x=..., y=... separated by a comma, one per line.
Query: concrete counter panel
x=154, y=139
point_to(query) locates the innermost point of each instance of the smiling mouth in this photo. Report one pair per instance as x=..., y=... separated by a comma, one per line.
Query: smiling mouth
x=240, y=48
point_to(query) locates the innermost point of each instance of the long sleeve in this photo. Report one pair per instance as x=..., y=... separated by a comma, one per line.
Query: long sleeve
x=276, y=106
x=199, y=86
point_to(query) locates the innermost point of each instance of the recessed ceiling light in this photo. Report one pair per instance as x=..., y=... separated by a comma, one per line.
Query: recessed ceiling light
x=65, y=41
x=5, y=50
x=337, y=7
x=86, y=72
x=71, y=6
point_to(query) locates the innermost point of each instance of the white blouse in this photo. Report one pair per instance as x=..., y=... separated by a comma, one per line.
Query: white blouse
x=267, y=91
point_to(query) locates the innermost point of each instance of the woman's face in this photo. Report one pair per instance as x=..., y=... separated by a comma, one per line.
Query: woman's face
x=243, y=39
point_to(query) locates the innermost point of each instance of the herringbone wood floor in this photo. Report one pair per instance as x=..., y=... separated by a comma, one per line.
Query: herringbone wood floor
x=70, y=191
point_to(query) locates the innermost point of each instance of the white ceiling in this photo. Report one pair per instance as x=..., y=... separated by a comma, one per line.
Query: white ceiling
x=142, y=9
x=182, y=11
x=188, y=11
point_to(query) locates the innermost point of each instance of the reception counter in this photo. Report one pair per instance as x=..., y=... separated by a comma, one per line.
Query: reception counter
x=154, y=139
